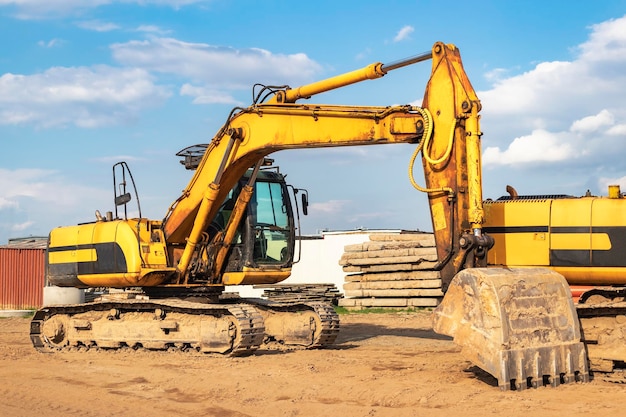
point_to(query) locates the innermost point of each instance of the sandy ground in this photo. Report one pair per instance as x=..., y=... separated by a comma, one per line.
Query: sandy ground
x=382, y=365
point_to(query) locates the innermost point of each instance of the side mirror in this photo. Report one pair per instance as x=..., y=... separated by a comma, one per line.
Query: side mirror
x=120, y=200
x=305, y=204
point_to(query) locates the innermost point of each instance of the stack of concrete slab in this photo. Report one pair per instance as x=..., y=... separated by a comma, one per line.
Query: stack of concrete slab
x=391, y=270
x=300, y=292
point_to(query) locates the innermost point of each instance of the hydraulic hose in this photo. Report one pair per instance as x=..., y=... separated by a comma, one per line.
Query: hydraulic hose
x=423, y=147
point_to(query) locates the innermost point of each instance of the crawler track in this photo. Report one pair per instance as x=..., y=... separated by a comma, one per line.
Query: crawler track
x=158, y=325
x=291, y=325
x=603, y=329
x=235, y=327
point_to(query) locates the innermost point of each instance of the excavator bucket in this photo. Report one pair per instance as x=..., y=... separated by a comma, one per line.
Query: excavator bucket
x=520, y=325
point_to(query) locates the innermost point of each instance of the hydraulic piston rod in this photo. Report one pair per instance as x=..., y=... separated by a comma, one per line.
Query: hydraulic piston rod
x=370, y=72
x=407, y=61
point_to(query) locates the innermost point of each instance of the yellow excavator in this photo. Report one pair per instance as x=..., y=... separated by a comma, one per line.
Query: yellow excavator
x=583, y=239
x=234, y=224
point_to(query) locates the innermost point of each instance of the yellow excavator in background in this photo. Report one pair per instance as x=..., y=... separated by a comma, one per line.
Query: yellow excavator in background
x=234, y=225
x=583, y=239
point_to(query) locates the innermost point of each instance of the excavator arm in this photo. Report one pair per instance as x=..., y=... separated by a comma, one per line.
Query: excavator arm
x=452, y=166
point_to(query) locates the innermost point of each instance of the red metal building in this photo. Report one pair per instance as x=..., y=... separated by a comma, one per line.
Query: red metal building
x=22, y=264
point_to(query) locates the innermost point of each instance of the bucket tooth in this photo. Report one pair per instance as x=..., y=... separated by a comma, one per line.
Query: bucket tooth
x=520, y=325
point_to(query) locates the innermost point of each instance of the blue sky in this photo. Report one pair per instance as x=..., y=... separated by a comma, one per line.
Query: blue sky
x=84, y=84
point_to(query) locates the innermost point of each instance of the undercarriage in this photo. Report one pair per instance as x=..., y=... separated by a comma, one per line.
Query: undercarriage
x=232, y=327
x=602, y=315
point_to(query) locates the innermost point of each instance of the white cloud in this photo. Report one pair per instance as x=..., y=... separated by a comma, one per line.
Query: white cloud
x=44, y=9
x=152, y=29
x=216, y=66
x=617, y=130
x=206, y=95
x=102, y=95
x=593, y=123
x=41, y=185
x=404, y=33
x=363, y=54
x=22, y=226
x=82, y=96
x=33, y=199
x=606, y=43
x=24, y=183
x=6, y=203
x=98, y=26
x=539, y=146
x=329, y=207
x=50, y=44
x=558, y=92
x=528, y=93
x=497, y=74
x=603, y=183
x=568, y=113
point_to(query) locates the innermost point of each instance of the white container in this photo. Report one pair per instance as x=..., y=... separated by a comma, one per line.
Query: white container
x=62, y=295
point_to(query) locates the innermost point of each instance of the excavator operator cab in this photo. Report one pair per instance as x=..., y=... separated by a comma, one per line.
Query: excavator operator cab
x=266, y=235
x=261, y=239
